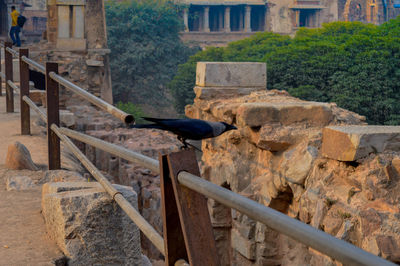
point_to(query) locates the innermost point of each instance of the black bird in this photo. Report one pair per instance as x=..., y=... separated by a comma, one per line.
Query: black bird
x=194, y=129
x=38, y=78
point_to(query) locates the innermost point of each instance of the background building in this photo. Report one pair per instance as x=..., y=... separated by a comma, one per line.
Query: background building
x=218, y=22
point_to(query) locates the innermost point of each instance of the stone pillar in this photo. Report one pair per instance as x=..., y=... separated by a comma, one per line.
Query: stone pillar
x=220, y=20
x=63, y=22
x=227, y=19
x=247, y=19
x=241, y=15
x=206, y=19
x=186, y=19
x=78, y=22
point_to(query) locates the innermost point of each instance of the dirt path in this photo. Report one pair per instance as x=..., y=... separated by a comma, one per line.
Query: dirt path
x=23, y=240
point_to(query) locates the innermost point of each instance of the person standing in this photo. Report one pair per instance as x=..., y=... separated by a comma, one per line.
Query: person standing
x=15, y=29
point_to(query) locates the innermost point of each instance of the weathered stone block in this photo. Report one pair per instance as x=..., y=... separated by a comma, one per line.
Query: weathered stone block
x=19, y=183
x=208, y=93
x=257, y=114
x=67, y=118
x=36, y=96
x=61, y=176
x=296, y=163
x=88, y=226
x=231, y=74
x=71, y=44
x=244, y=246
x=19, y=157
x=349, y=143
x=96, y=63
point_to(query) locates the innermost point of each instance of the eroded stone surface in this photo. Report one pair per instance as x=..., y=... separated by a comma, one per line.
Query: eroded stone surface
x=88, y=226
x=19, y=183
x=275, y=158
x=349, y=143
x=222, y=92
x=257, y=114
x=228, y=74
x=19, y=157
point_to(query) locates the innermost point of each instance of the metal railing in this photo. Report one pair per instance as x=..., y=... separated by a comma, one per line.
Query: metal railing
x=316, y=239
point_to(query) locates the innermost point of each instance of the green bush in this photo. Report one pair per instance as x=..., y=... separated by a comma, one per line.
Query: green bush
x=353, y=64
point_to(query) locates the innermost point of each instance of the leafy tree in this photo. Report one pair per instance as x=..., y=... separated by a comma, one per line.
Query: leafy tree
x=353, y=64
x=145, y=50
x=132, y=109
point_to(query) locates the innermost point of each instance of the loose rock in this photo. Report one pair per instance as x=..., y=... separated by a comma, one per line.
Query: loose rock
x=19, y=157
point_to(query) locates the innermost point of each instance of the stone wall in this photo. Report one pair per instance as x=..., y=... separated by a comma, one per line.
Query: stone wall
x=312, y=161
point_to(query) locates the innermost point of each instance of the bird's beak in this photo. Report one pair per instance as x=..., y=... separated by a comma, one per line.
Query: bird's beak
x=231, y=127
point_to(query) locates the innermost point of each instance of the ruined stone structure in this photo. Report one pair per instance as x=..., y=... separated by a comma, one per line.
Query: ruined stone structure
x=218, y=22
x=312, y=161
x=77, y=39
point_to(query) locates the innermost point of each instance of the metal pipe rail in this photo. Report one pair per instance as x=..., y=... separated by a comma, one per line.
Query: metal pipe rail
x=113, y=149
x=34, y=64
x=32, y=105
x=338, y=249
x=13, y=85
x=143, y=225
x=13, y=52
x=127, y=118
x=318, y=240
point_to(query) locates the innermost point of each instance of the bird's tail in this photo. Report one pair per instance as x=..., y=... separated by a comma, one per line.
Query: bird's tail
x=146, y=126
x=157, y=120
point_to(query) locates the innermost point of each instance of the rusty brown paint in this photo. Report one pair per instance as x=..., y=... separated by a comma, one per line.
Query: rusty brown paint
x=8, y=58
x=172, y=231
x=193, y=212
x=24, y=91
x=1, y=80
x=53, y=117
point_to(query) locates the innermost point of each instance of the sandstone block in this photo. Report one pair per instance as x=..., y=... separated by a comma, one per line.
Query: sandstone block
x=244, y=246
x=19, y=183
x=96, y=63
x=209, y=93
x=70, y=44
x=396, y=165
x=19, y=157
x=349, y=143
x=297, y=162
x=258, y=114
x=88, y=226
x=67, y=118
x=61, y=176
x=36, y=96
x=231, y=74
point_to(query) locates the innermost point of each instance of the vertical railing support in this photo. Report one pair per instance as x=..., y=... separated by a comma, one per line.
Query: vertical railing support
x=9, y=76
x=174, y=242
x=53, y=117
x=24, y=90
x=193, y=214
x=1, y=80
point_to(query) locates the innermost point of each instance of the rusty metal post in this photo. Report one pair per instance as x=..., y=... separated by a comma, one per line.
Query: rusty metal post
x=53, y=117
x=9, y=76
x=193, y=212
x=24, y=91
x=1, y=80
x=174, y=242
